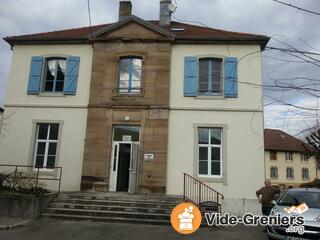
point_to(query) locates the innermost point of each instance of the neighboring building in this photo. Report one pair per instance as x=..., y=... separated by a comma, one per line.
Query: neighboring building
x=289, y=161
x=136, y=103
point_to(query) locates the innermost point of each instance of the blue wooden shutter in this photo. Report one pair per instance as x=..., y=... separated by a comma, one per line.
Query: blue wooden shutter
x=231, y=77
x=71, y=80
x=190, y=76
x=35, y=75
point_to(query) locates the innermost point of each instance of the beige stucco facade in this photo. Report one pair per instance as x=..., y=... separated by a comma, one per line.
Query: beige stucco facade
x=24, y=111
x=240, y=118
x=296, y=163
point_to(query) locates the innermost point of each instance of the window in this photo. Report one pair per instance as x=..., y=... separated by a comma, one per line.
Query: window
x=273, y=155
x=46, y=145
x=304, y=157
x=288, y=156
x=124, y=133
x=54, y=74
x=210, y=151
x=210, y=76
x=130, y=73
x=290, y=173
x=274, y=172
x=305, y=173
x=206, y=76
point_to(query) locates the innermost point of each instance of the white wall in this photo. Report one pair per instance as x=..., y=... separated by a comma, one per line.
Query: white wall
x=19, y=74
x=242, y=116
x=244, y=147
x=16, y=142
x=249, y=71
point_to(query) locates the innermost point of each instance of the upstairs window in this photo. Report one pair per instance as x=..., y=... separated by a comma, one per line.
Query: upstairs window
x=46, y=145
x=130, y=75
x=273, y=155
x=304, y=157
x=54, y=74
x=210, y=76
x=288, y=156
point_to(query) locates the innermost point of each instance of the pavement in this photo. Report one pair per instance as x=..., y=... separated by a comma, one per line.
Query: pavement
x=51, y=229
x=10, y=222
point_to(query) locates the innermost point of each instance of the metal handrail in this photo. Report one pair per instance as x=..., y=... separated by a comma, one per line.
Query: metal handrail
x=38, y=173
x=198, y=192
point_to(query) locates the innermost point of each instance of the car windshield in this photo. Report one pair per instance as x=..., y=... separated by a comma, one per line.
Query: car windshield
x=312, y=199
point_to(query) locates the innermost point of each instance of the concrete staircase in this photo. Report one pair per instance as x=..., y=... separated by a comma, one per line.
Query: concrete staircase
x=113, y=207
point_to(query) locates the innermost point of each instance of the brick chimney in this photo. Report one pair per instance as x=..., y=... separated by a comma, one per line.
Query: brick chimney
x=165, y=13
x=125, y=9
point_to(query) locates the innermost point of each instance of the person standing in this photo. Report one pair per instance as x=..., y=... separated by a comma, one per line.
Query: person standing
x=265, y=195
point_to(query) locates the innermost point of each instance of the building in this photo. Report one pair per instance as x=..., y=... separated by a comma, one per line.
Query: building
x=289, y=161
x=130, y=106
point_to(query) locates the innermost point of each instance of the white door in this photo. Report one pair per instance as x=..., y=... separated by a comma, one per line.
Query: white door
x=114, y=167
x=133, y=170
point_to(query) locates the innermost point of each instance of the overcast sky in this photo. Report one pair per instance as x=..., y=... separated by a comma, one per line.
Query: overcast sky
x=284, y=24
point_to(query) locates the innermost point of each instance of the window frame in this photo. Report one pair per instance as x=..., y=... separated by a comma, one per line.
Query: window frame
x=305, y=171
x=276, y=175
x=223, y=170
x=291, y=177
x=44, y=72
x=33, y=149
x=129, y=89
x=210, y=94
x=273, y=153
x=303, y=157
x=288, y=156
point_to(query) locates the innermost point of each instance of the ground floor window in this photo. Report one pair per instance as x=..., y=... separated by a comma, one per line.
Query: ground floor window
x=273, y=172
x=305, y=173
x=210, y=151
x=290, y=173
x=46, y=145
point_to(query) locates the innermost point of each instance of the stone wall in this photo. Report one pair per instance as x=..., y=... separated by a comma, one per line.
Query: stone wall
x=23, y=205
x=149, y=110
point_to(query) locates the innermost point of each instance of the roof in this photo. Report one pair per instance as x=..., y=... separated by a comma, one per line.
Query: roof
x=191, y=33
x=278, y=140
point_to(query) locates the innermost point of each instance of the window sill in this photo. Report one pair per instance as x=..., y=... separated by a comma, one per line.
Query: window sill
x=128, y=95
x=217, y=179
x=45, y=94
x=211, y=97
x=45, y=171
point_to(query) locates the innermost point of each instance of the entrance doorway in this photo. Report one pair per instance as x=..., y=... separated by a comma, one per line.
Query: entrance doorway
x=124, y=159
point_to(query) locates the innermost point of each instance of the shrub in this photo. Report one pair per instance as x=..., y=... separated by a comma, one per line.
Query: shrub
x=20, y=182
x=314, y=184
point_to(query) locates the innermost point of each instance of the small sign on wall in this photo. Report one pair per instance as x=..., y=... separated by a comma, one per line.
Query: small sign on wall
x=126, y=138
x=148, y=156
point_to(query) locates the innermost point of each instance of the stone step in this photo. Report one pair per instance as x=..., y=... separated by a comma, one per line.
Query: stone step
x=106, y=219
x=101, y=213
x=121, y=198
x=111, y=207
x=116, y=202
